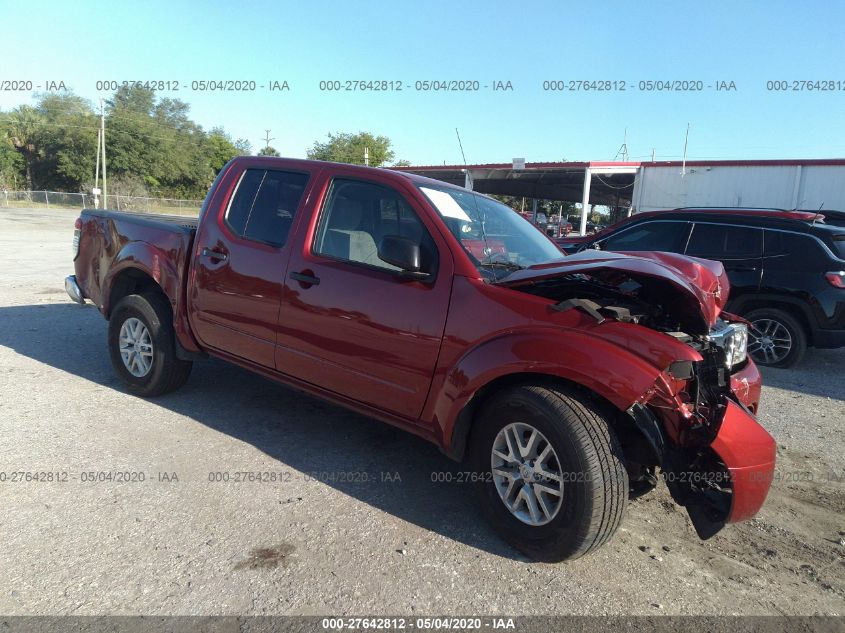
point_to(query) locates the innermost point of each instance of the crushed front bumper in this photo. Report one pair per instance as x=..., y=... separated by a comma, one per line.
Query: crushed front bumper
x=728, y=480
x=748, y=452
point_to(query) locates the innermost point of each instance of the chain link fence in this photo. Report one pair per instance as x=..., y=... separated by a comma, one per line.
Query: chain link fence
x=116, y=202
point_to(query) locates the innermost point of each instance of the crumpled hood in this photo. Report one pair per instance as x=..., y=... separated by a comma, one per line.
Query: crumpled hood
x=696, y=289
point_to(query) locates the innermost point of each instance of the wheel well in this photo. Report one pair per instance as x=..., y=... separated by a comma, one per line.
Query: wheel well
x=791, y=309
x=128, y=282
x=634, y=443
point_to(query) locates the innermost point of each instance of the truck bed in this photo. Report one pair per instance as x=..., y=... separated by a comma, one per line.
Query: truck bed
x=149, y=219
x=135, y=250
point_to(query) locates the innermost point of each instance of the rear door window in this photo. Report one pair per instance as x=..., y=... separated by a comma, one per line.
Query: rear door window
x=721, y=241
x=265, y=204
x=650, y=236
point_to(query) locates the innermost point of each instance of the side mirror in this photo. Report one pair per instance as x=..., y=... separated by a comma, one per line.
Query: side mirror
x=403, y=253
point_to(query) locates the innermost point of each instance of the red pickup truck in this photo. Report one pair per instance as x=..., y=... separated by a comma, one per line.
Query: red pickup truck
x=568, y=384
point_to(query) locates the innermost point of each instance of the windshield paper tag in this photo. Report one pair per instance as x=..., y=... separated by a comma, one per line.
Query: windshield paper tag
x=446, y=204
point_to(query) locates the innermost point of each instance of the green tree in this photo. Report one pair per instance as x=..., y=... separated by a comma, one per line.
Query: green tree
x=221, y=149
x=24, y=123
x=349, y=148
x=152, y=145
x=67, y=140
x=134, y=98
x=158, y=143
x=244, y=147
x=11, y=161
x=269, y=150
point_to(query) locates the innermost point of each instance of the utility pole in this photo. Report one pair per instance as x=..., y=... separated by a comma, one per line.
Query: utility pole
x=97, y=168
x=96, y=190
x=623, y=151
x=367, y=156
x=103, y=140
x=686, y=139
x=652, y=154
x=267, y=139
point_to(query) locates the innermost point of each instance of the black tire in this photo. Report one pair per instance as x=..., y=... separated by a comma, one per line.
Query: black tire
x=167, y=372
x=595, y=488
x=797, y=335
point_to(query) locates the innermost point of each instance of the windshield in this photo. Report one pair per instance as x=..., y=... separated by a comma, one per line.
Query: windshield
x=496, y=237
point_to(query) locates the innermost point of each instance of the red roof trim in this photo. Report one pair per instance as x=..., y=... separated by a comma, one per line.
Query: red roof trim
x=780, y=162
x=769, y=213
x=508, y=166
x=670, y=163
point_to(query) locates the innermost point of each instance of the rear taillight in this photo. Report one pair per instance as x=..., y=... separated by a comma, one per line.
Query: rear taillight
x=836, y=278
x=77, y=231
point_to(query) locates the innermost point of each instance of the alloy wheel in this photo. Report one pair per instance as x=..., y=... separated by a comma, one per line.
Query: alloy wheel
x=527, y=474
x=136, y=347
x=770, y=341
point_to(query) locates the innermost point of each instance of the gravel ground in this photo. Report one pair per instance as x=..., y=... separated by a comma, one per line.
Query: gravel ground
x=398, y=543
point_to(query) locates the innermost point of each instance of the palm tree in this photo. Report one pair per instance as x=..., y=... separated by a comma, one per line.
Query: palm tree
x=23, y=129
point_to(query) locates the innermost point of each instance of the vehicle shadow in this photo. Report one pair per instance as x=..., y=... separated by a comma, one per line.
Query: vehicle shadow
x=818, y=374
x=303, y=433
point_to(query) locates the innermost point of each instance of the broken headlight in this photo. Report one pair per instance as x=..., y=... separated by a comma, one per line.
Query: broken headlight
x=733, y=339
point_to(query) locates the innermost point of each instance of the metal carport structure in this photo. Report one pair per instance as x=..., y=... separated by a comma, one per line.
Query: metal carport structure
x=595, y=182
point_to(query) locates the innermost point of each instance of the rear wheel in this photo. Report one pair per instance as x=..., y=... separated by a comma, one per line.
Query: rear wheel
x=142, y=346
x=551, y=475
x=777, y=338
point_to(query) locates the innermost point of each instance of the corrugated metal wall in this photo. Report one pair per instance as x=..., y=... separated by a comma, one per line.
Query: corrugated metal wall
x=780, y=186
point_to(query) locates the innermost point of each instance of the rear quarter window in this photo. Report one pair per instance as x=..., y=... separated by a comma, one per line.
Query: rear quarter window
x=793, y=251
x=839, y=243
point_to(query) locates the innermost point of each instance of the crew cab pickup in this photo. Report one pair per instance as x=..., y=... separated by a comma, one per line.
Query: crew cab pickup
x=568, y=384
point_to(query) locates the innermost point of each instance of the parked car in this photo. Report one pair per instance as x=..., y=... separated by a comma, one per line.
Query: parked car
x=787, y=268
x=566, y=384
x=541, y=221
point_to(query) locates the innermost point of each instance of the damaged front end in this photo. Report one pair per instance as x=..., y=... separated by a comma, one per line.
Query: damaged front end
x=716, y=460
x=696, y=424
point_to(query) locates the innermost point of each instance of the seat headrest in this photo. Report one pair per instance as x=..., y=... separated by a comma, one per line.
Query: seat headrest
x=346, y=214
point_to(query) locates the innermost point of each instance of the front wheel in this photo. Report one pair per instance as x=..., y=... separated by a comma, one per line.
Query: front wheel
x=142, y=346
x=552, y=480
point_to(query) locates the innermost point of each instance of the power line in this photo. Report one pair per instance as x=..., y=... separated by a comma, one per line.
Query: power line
x=609, y=186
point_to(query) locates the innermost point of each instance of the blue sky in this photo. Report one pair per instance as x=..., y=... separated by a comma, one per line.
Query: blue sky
x=522, y=42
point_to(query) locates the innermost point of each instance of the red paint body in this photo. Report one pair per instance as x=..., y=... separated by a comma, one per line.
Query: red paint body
x=411, y=353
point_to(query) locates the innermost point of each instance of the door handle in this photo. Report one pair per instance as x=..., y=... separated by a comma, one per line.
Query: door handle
x=213, y=255
x=305, y=278
x=743, y=269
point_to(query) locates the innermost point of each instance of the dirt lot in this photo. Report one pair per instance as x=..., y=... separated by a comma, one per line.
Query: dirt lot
x=315, y=543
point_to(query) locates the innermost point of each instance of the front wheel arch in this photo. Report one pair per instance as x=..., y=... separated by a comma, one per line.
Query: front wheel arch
x=634, y=441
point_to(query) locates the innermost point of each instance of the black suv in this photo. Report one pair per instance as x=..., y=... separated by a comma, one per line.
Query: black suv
x=786, y=268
